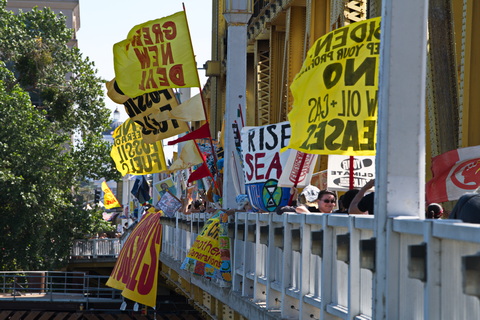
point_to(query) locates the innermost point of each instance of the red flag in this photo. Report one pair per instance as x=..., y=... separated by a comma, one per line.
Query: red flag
x=200, y=173
x=200, y=133
x=455, y=173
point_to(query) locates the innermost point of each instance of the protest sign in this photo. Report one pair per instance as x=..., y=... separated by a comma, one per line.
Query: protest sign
x=132, y=155
x=156, y=55
x=339, y=171
x=136, y=269
x=210, y=255
x=152, y=111
x=336, y=93
x=264, y=164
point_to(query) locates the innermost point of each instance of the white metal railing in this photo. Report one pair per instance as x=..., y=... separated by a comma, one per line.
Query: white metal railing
x=55, y=286
x=94, y=248
x=322, y=266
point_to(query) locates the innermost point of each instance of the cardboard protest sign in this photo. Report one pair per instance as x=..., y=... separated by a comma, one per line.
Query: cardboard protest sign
x=132, y=155
x=339, y=171
x=298, y=169
x=336, y=93
x=156, y=55
x=264, y=164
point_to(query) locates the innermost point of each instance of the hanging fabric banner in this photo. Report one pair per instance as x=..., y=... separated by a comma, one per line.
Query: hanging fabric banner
x=455, y=173
x=136, y=269
x=336, y=93
x=209, y=255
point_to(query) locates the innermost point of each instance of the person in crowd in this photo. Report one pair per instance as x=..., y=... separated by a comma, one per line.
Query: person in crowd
x=467, y=208
x=345, y=200
x=361, y=203
x=307, y=200
x=326, y=201
x=434, y=211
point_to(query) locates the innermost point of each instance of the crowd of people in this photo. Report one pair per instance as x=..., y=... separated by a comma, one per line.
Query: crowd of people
x=361, y=201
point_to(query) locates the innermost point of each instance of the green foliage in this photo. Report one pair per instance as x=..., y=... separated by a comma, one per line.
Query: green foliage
x=40, y=167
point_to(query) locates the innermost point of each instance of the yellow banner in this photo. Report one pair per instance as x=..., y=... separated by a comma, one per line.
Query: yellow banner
x=206, y=247
x=152, y=112
x=157, y=54
x=132, y=155
x=136, y=269
x=336, y=93
x=109, y=199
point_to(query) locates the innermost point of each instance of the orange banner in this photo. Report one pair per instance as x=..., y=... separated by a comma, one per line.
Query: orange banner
x=136, y=270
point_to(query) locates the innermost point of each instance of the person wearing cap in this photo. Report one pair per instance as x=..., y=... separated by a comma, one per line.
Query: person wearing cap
x=307, y=200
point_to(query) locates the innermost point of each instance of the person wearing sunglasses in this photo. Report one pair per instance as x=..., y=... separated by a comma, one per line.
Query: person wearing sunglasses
x=326, y=201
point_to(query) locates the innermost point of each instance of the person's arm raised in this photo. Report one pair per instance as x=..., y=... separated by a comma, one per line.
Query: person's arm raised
x=353, y=208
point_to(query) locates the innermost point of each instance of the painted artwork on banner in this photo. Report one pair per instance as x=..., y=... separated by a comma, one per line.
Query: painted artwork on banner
x=210, y=255
x=169, y=204
x=165, y=185
x=335, y=93
x=339, y=171
x=264, y=164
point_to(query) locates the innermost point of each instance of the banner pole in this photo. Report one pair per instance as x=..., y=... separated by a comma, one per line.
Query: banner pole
x=204, y=108
x=350, y=176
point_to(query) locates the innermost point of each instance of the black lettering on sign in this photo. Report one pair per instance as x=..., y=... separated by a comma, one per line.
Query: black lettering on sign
x=353, y=137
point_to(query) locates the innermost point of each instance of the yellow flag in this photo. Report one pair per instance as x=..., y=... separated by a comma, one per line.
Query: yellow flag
x=136, y=269
x=189, y=156
x=336, y=93
x=109, y=200
x=157, y=54
x=147, y=111
x=132, y=155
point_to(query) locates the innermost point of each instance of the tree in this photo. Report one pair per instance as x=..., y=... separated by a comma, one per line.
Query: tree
x=52, y=116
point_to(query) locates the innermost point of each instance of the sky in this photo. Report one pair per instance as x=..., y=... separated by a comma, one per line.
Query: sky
x=106, y=22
